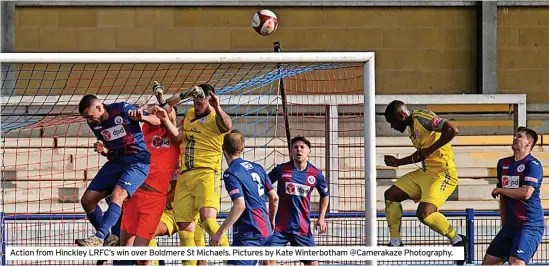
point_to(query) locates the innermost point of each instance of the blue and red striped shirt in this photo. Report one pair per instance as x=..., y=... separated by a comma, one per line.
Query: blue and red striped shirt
x=121, y=135
x=294, y=192
x=513, y=174
x=249, y=180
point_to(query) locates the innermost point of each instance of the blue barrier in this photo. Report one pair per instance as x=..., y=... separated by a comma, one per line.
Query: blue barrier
x=469, y=216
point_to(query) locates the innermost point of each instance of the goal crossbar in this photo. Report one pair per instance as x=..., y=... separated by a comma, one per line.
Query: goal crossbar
x=175, y=58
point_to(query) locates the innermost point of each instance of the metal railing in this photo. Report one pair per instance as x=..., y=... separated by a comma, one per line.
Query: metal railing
x=344, y=229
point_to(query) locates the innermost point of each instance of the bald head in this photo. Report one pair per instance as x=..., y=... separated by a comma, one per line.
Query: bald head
x=233, y=143
x=394, y=109
x=396, y=114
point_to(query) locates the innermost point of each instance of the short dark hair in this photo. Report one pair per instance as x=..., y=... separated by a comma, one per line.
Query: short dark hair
x=300, y=138
x=86, y=102
x=393, y=107
x=233, y=142
x=530, y=133
x=207, y=88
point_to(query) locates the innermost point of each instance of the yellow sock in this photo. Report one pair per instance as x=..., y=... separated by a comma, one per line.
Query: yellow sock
x=187, y=240
x=210, y=226
x=152, y=243
x=393, y=212
x=199, y=236
x=438, y=223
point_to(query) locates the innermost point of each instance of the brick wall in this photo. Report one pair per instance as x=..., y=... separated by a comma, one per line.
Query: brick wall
x=523, y=52
x=419, y=50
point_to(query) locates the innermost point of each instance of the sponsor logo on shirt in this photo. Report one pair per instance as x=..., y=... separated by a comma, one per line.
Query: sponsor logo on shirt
x=97, y=127
x=531, y=179
x=159, y=142
x=287, y=175
x=113, y=133
x=510, y=181
x=234, y=191
x=297, y=189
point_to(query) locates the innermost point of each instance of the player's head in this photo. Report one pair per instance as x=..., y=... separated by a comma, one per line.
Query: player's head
x=91, y=109
x=233, y=144
x=301, y=148
x=202, y=105
x=396, y=114
x=525, y=139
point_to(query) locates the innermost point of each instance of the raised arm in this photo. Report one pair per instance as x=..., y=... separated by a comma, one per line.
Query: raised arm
x=222, y=119
x=174, y=133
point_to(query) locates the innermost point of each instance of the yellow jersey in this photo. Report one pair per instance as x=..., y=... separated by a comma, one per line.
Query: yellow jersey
x=425, y=132
x=202, y=143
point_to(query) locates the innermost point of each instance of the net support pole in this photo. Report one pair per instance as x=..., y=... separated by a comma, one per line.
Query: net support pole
x=3, y=238
x=370, y=154
x=333, y=152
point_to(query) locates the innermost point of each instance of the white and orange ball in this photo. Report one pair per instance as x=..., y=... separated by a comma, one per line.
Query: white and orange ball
x=265, y=22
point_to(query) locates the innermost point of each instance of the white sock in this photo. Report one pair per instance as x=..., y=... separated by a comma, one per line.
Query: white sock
x=456, y=239
x=395, y=241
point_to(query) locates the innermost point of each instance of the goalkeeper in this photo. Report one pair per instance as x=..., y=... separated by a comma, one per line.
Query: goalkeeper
x=433, y=183
x=198, y=187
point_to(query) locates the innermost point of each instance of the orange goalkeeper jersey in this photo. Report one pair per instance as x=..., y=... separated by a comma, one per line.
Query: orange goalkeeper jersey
x=424, y=133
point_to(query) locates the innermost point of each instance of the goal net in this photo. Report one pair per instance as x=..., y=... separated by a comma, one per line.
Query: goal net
x=47, y=148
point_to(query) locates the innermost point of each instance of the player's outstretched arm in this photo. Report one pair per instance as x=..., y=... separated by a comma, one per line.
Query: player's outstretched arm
x=140, y=115
x=173, y=132
x=195, y=91
x=222, y=119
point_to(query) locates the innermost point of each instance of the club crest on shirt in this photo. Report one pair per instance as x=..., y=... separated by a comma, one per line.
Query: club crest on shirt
x=202, y=120
x=311, y=179
x=520, y=168
x=417, y=134
x=118, y=120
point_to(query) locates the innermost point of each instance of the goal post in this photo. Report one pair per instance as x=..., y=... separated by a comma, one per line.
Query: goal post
x=62, y=102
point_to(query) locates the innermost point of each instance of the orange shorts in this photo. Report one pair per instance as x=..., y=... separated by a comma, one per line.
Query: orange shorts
x=142, y=212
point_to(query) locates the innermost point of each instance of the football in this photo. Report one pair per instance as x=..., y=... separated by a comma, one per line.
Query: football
x=265, y=22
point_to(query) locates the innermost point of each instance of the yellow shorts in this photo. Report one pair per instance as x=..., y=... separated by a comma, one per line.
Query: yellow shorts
x=429, y=187
x=196, y=189
x=169, y=220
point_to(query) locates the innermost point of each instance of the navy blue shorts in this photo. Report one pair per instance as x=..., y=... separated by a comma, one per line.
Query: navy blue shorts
x=521, y=243
x=129, y=176
x=281, y=239
x=256, y=242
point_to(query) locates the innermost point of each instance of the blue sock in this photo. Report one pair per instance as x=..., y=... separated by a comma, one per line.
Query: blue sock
x=109, y=220
x=115, y=230
x=95, y=217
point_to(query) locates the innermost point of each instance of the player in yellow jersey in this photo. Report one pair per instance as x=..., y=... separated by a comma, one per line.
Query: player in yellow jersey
x=198, y=187
x=434, y=182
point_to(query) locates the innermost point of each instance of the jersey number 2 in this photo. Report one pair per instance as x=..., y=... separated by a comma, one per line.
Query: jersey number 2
x=257, y=180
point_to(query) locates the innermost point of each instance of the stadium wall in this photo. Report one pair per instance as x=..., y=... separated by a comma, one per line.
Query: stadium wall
x=419, y=49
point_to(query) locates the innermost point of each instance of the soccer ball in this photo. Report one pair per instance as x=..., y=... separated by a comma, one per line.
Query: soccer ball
x=265, y=22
